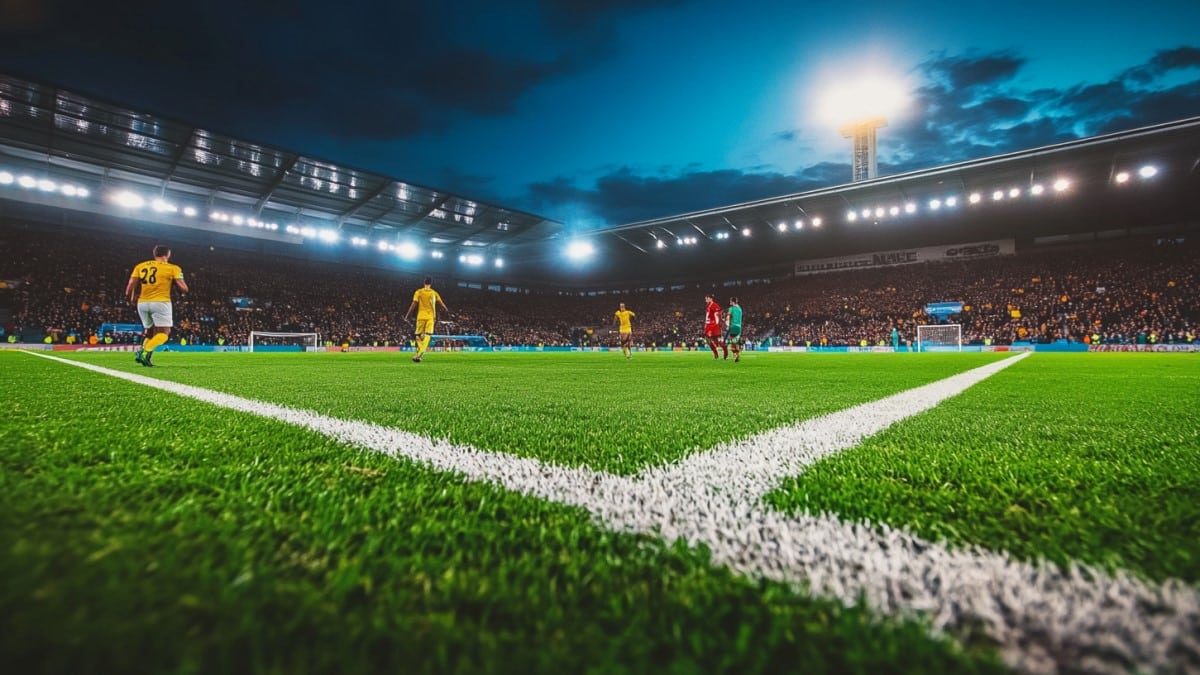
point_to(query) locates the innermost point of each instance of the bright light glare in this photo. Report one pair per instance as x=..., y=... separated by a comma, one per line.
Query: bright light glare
x=975, y=197
x=69, y=190
x=952, y=202
x=1061, y=184
x=1122, y=177
x=27, y=182
x=816, y=222
x=499, y=262
x=6, y=178
x=935, y=204
x=1014, y=193
x=128, y=199
x=189, y=211
x=579, y=250
x=436, y=254
x=328, y=236
x=851, y=216
x=998, y=195
x=1148, y=171
x=1037, y=189
x=408, y=251
x=799, y=224
x=783, y=227
x=871, y=96
x=472, y=259
x=910, y=208
x=47, y=185
x=894, y=211
x=745, y=232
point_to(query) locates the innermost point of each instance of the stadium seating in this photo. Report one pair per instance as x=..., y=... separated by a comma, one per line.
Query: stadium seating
x=1144, y=289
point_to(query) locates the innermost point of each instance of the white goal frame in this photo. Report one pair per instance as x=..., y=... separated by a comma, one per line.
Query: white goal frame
x=315, y=338
x=924, y=331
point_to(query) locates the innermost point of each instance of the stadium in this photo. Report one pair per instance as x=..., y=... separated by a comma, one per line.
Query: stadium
x=963, y=436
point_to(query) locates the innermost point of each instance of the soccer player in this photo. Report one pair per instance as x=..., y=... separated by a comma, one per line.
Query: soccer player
x=712, y=325
x=425, y=301
x=733, y=330
x=150, y=288
x=622, y=318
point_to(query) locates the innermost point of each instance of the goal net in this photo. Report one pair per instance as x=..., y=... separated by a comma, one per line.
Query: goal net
x=942, y=337
x=283, y=341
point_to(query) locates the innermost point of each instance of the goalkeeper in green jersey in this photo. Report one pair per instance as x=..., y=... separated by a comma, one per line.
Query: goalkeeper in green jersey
x=733, y=330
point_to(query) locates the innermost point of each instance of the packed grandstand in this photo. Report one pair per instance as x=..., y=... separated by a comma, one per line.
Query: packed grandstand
x=1142, y=290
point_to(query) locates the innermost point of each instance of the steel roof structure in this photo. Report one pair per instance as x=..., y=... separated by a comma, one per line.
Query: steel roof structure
x=46, y=129
x=1102, y=191
x=286, y=197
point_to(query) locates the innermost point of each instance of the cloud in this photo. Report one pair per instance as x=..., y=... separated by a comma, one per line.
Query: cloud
x=967, y=107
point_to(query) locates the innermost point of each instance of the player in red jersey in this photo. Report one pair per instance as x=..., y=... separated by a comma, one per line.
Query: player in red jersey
x=712, y=325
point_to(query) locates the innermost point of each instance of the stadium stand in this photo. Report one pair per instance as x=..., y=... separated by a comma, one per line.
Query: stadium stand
x=1143, y=289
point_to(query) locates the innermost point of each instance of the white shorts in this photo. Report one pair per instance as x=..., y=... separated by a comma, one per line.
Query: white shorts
x=155, y=314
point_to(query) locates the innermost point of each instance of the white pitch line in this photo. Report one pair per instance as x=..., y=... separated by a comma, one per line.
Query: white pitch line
x=1041, y=618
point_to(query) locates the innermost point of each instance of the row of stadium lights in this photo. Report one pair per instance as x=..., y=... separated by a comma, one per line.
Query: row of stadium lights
x=28, y=182
x=1059, y=186
x=577, y=250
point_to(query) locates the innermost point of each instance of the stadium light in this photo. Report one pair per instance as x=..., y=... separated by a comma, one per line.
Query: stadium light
x=437, y=254
x=879, y=212
x=189, y=211
x=499, y=262
x=1122, y=177
x=6, y=178
x=1037, y=189
x=745, y=232
x=783, y=227
x=328, y=236
x=580, y=250
x=659, y=243
x=473, y=259
x=997, y=195
x=894, y=211
x=975, y=198
x=1061, y=185
x=935, y=204
x=1148, y=171
x=910, y=208
x=309, y=232
x=47, y=185
x=951, y=202
x=816, y=222
x=1014, y=193
x=799, y=224
x=851, y=216
x=161, y=205
x=128, y=200
x=27, y=182
x=408, y=251
x=238, y=220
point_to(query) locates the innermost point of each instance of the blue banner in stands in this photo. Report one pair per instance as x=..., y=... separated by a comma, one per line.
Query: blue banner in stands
x=943, y=309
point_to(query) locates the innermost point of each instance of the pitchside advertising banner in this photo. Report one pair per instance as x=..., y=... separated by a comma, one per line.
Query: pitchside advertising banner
x=910, y=256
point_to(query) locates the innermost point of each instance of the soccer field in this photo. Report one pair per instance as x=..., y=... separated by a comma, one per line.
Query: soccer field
x=583, y=513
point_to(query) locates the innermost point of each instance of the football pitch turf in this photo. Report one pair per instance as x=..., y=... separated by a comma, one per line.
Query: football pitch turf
x=583, y=513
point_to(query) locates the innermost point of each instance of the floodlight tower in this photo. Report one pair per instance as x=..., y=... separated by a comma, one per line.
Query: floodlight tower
x=862, y=154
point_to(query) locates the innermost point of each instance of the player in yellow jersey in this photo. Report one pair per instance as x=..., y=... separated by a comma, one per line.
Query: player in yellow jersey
x=425, y=301
x=150, y=287
x=622, y=317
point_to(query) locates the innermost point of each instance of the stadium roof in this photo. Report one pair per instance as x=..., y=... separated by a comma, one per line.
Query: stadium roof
x=192, y=177
x=1100, y=181
x=44, y=129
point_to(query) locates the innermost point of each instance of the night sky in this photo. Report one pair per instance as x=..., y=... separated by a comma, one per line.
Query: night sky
x=603, y=112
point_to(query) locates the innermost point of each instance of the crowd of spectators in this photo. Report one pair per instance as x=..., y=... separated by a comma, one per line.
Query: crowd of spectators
x=1145, y=289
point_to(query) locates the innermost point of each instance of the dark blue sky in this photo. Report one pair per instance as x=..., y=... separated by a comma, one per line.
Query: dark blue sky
x=601, y=112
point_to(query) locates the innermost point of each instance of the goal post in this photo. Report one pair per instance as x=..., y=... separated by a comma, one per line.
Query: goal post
x=941, y=337
x=283, y=341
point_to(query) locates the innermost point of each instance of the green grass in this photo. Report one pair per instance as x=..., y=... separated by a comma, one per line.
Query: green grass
x=1065, y=457
x=144, y=532
x=595, y=410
